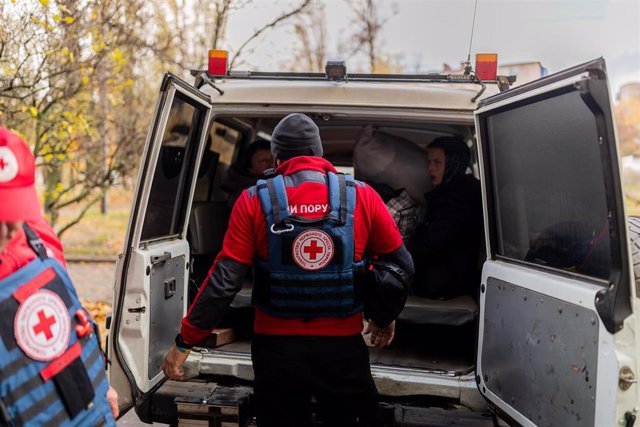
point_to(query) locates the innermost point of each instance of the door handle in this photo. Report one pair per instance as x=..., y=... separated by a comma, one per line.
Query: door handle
x=169, y=287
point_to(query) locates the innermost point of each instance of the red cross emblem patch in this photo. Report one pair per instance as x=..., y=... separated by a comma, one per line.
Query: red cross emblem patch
x=312, y=249
x=8, y=165
x=42, y=326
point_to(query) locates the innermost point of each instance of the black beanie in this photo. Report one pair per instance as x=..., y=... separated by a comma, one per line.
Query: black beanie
x=295, y=135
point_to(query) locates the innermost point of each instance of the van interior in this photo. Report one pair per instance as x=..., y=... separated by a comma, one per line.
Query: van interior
x=433, y=335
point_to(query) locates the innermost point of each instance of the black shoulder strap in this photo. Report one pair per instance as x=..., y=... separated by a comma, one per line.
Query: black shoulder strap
x=35, y=242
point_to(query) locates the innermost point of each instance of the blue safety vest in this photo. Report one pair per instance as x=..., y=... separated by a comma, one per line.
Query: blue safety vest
x=52, y=370
x=310, y=270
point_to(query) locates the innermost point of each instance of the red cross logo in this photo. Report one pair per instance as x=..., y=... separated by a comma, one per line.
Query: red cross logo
x=44, y=327
x=313, y=250
x=3, y=164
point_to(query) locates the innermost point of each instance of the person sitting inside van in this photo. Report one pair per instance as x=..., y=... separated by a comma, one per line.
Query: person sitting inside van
x=445, y=248
x=243, y=175
x=406, y=212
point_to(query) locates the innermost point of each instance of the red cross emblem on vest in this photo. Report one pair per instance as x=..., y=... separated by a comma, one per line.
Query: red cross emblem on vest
x=312, y=249
x=43, y=326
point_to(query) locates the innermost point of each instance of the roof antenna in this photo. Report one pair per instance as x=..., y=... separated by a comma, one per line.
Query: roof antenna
x=467, y=64
x=468, y=71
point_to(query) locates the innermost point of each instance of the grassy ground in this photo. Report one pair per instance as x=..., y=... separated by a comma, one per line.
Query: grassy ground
x=98, y=234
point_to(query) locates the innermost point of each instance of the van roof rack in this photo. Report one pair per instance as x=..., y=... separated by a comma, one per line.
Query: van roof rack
x=399, y=78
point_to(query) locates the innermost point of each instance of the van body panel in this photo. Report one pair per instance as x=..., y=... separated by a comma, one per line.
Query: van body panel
x=556, y=292
x=149, y=292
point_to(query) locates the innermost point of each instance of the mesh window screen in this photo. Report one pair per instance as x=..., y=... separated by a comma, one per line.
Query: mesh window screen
x=550, y=199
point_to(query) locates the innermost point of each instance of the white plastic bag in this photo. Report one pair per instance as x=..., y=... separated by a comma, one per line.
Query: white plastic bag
x=386, y=159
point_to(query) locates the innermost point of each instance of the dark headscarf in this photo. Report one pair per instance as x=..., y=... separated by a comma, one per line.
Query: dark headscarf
x=456, y=156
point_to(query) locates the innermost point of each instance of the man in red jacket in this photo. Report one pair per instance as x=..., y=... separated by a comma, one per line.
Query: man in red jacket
x=45, y=333
x=307, y=233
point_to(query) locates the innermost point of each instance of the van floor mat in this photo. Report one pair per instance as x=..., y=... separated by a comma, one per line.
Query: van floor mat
x=453, y=312
x=410, y=358
x=408, y=416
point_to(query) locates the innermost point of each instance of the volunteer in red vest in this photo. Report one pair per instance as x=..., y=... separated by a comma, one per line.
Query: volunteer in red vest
x=51, y=364
x=307, y=231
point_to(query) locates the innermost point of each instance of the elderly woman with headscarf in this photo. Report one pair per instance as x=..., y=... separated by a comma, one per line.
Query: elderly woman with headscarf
x=445, y=248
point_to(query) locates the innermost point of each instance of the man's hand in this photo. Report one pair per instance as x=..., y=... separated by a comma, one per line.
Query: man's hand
x=381, y=337
x=112, y=397
x=172, y=366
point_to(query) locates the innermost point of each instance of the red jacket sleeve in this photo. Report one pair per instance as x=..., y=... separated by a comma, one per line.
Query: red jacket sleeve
x=384, y=235
x=226, y=275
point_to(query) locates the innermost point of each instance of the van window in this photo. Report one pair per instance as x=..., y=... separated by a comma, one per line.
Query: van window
x=172, y=175
x=550, y=204
x=222, y=150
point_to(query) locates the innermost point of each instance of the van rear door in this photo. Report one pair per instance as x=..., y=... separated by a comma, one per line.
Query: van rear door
x=556, y=327
x=152, y=276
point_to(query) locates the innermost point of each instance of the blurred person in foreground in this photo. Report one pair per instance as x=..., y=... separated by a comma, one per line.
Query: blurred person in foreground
x=52, y=369
x=306, y=231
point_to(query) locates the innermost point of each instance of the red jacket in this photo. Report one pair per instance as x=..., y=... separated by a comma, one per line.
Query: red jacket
x=18, y=253
x=375, y=233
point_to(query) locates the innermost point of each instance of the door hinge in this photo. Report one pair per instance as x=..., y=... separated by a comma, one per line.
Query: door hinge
x=157, y=259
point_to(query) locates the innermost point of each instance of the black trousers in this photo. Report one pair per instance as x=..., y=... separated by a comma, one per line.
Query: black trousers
x=290, y=370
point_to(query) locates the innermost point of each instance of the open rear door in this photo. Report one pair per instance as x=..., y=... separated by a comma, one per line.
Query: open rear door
x=153, y=272
x=557, y=328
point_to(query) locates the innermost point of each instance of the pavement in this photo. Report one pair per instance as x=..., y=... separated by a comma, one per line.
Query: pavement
x=93, y=280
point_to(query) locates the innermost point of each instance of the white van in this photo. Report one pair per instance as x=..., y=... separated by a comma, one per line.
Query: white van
x=550, y=337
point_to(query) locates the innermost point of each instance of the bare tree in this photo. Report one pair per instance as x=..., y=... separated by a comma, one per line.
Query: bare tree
x=280, y=19
x=367, y=26
x=311, y=30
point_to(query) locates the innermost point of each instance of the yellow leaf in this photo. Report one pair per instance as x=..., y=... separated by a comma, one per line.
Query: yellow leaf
x=46, y=26
x=117, y=56
x=85, y=80
x=71, y=57
x=45, y=3
x=48, y=157
x=69, y=19
x=59, y=186
x=57, y=18
x=128, y=82
x=34, y=111
x=61, y=157
x=96, y=48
